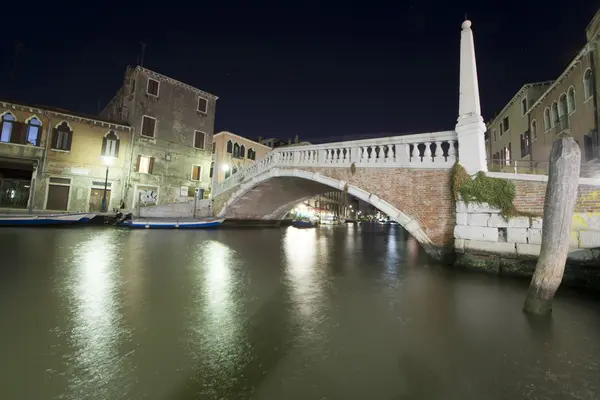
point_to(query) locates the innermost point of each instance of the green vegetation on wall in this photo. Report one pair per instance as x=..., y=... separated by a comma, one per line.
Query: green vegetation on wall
x=498, y=193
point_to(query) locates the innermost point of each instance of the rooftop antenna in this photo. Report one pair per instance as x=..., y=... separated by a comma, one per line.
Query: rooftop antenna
x=18, y=48
x=143, y=51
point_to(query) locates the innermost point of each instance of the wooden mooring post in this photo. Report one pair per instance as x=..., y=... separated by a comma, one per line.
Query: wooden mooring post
x=559, y=205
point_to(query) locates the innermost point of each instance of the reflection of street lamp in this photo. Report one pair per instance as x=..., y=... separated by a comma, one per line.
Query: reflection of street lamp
x=107, y=161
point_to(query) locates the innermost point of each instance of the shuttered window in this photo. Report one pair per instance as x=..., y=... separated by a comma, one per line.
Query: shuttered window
x=62, y=137
x=148, y=126
x=196, y=172
x=199, y=138
x=145, y=164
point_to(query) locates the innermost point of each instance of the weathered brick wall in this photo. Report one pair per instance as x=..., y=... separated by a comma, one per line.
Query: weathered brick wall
x=530, y=197
x=423, y=195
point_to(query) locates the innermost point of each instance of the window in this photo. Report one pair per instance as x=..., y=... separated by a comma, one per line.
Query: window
x=145, y=164
x=242, y=151
x=199, y=138
x=534, y=130
x=547, y=123
x=212, y=170
x=132, y=86
x=494, y=134
x=196, y=172
x=202, y=104
x=214, y=147
x=588, y=87
x=110, y=145
x=508, y=154
x=525, y=144
x=229, y=147
x=505, y=126
x=34, y=131
x=554, y=114
x=251, y=154
x=524, y=106
x=236, y=150
x=7, y=124
x=571, y=100
x=152, y=88
x=62, y=136
x=148, y=126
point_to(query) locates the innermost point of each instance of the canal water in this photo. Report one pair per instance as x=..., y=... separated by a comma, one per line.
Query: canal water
x=349, y=312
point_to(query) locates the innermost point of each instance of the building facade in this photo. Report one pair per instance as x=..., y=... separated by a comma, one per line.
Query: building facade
x=234, y=152
x=173, y=126
x=63, y=156
x=520, y=137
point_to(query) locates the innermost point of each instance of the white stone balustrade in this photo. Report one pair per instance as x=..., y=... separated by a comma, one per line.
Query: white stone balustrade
x=425, y=150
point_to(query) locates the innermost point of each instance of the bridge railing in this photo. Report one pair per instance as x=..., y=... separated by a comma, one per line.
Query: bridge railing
x=435, y=150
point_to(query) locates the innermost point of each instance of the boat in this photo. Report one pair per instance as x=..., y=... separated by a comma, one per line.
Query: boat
x=44, y=219
x=304, y=224
x=171, y=224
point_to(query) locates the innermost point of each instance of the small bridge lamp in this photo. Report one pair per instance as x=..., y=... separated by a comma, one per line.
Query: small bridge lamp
x=225, y=167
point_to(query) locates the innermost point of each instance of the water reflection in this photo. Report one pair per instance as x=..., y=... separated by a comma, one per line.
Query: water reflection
x=96, y=332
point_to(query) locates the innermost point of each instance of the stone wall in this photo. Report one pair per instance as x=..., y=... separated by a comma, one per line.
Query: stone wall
x=177, y=210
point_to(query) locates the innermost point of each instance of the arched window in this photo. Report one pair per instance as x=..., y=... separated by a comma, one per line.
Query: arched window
x=236, y=150
x=571, y=100
x=6, y=126
x=110, y=144
x=562, y=108
x=251, y=154
x=62, y=136
x=34, y=131
x=588, y=86
x=533, y=130
x=242, y=151
x=554, y=113
x=229, y=147
x=547, y=123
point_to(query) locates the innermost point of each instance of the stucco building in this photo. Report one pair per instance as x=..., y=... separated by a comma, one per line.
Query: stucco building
x=526, y=127
x=63, y=156
x=173, y=126
x=233, y=153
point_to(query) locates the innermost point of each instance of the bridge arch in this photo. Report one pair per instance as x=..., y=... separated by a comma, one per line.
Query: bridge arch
x=272, y=193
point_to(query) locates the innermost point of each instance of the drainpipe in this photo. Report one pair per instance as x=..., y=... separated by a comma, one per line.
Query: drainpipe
x=595, y=100
x=44, y=165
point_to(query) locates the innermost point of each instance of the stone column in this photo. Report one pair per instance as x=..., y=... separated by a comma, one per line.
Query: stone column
x=470, y=127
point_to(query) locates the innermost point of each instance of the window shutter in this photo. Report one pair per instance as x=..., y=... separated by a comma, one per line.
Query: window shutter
x=151, y=166
x=54, y=138
x=38, y=141
x=117, y=148
x=16, y=133
x=103, y=146
x=137, y=163
x=69, y=139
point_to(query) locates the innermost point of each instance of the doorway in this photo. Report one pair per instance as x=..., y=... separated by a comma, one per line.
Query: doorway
x=58, y=197
x=96, y=199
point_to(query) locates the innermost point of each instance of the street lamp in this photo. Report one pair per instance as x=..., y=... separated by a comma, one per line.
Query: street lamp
x=225, y=167
x=107, y=161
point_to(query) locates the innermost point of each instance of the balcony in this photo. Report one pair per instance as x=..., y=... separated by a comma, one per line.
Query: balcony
x=21, y=151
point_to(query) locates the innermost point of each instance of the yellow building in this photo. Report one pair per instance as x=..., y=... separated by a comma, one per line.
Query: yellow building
x=235, y=152
x=64, y=156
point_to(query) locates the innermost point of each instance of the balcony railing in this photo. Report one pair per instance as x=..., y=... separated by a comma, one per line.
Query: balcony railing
x=561, y=125
x=587, y=170
x=427, y=150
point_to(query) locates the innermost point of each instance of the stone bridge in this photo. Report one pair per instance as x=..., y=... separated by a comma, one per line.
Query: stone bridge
x=406, y=177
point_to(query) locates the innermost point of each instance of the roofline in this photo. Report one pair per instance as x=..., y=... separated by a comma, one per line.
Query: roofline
x=516, y=95
x=561, y=77
x=190, y=87
x=241, y=137
x=41, y=110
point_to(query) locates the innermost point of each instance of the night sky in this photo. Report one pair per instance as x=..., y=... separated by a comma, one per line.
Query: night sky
x=317, y=69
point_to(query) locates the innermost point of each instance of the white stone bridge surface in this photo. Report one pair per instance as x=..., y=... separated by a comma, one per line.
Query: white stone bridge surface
x=406, y=177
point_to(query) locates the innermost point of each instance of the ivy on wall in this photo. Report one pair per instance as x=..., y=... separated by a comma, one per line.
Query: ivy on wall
x=498, y=193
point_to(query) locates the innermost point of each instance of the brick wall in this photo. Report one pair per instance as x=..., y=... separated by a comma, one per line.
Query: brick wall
x=530, y=197
x=423, y=195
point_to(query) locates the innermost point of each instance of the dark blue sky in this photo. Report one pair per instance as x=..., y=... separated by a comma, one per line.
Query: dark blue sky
x=313, y=68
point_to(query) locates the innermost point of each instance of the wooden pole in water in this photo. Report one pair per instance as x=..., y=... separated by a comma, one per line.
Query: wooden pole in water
x=561, y=195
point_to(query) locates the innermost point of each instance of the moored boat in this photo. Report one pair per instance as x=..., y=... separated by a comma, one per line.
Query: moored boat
x=171, y=224
x=304, y=224
x=44, y=219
